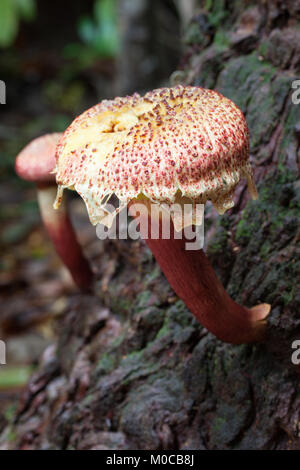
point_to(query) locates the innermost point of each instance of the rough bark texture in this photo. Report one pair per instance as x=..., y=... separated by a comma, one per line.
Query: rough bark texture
x=132, y=368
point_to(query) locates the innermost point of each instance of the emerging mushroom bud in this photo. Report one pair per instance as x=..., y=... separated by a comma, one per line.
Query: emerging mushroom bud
x=36, y=163
x=174, y=145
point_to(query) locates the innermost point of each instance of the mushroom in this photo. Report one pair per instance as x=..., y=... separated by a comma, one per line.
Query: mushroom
x=35, y=163
x=174, y=145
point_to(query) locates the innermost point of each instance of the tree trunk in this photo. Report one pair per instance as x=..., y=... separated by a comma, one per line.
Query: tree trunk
x=132, y=368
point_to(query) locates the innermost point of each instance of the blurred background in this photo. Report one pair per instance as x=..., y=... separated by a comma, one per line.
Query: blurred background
x=57, y=59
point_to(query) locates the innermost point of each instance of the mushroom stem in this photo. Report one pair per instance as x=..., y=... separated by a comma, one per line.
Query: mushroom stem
x=61, y=232
x=193, y=279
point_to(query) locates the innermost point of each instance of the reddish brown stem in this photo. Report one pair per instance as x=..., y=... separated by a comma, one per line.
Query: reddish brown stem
x=193, y=279
x=61, y=232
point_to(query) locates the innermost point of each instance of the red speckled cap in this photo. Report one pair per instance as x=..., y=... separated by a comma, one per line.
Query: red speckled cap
x=176, y=143
x=37, y=160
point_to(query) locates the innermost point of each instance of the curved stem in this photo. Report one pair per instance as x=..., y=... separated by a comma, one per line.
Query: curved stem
x=61, y=232
x=195, y=282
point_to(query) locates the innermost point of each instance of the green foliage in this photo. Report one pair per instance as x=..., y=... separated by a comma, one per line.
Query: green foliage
x=102, y=32
x=66, y=97
x=11, y=12
x=217, y=11
x=99, y=34
x=193, y=35
x=221, y=40
x=14, y=376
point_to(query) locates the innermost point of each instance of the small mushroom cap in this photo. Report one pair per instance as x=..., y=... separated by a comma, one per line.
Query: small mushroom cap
x=172, y=145
x=37, y=160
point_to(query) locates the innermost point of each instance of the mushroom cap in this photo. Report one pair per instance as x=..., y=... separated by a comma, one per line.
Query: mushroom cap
x=37, y=160
x=172, y=145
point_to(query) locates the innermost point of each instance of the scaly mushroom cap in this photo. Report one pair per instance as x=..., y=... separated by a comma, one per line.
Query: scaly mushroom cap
x=37, y=160
x=181, y=144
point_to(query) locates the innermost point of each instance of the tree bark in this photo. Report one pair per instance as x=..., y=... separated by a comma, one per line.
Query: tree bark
x=132, y=368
